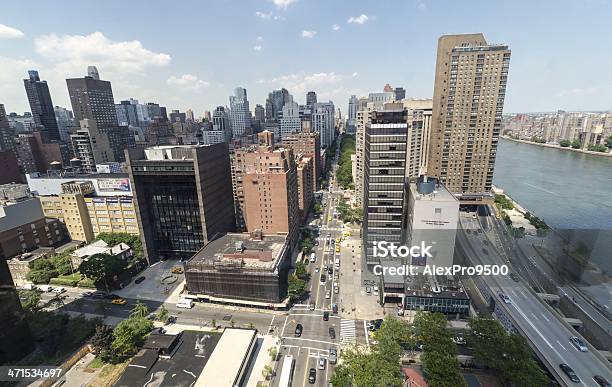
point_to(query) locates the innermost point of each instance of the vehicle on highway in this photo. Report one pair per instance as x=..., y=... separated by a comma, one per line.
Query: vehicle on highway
x=119, y=301
x=185, y=303
x=312, y=376
x=298, y=330
x=139, y=279
x=58, y=290
x=313, y=258
x=333, y=355
x=601, y=381
x=322, y=363
x=311, y=306
x=332, y=333
x=579, y=344
x=323, y=279
x=326, y=316
x=177, y=270
x=504, y=298
x=327, y=294
x=569, y=372
x=335, y=308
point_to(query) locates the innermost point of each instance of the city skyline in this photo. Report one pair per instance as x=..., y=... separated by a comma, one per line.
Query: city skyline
x=171, y=68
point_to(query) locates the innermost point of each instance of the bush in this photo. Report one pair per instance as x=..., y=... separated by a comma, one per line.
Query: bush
x=86, y=283
x=64, y=281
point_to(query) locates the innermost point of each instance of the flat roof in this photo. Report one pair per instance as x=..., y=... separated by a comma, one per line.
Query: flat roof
x=239, y=249
x=227, y=361
x=440, y=194
x=435, y=287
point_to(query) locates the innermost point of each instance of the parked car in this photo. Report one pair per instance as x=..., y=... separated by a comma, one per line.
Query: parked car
x=312, y=376
x=601, y=381
x=332, y=333
x=459, y=340
x=119, y=301
x=298, y=330
x=185, y=303
x=311, y=306
x=322, y=363
x=333, y=355
x=579, y=344
x=368, y=290
x=139, y=279
x=375, y=290
x=87, y=294
x=327, y=294
x=326, y=316
x=58, y=290
x=159, y=331
x=569, y=372
x=45, y=288
x=335, y=308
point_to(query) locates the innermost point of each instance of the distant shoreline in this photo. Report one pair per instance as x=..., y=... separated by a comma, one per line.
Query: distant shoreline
x=605, y=154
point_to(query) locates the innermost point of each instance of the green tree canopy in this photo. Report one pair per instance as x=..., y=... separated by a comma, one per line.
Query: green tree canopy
x=130, y=334
x=102, y=267
x=139, y=310
x=296, y=288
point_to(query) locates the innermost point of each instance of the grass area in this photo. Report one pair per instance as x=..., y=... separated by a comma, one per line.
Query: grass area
x=95, y=363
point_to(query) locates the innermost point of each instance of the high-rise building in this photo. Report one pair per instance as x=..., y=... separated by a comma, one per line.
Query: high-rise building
x=65, y=122
x=384, y=178
x=323, y=122
x=207, y=115
x=400, y=93
x=41, y=104
x=92, y=71
x=7, y=133
x=388, y=88
x=305, y=185
x=275, y=102
x=91, y=146
x=290, y=122
x=468, y=102
x=311, y=99
x=92, y=99
x=260, y=113
x=352, y=115
x=189, y=117
x=183, y=197
x=307, y=144
x=14, y=331
x=419, y=128
x=221, y=122
x=240, y=113
x=178, y=116
x=154, y=110
x=127, y=114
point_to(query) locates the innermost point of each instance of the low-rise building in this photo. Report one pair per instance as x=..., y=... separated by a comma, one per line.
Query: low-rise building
x=19, y=266
x=122, y=251
x=242, y=269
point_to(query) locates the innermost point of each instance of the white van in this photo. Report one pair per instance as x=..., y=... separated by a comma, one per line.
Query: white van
x=45, y=288
x=313, y=258
x=187, y=304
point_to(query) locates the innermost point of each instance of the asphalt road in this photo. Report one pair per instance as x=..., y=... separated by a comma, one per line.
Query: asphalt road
x=542, y=327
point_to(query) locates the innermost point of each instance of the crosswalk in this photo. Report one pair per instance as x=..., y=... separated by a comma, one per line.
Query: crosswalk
x=347, y=332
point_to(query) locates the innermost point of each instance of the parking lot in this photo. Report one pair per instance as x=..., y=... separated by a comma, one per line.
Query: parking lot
x=160, y=284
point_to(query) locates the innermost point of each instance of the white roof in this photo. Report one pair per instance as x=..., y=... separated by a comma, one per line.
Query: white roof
x=228, y=358
x=97, y=247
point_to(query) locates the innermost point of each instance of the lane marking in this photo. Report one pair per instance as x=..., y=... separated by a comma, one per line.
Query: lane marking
x=271, y=322
x=314, y=341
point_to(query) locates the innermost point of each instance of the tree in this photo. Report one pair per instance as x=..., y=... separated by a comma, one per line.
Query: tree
x=565, y=143
x=102, y=339
x=576, y=144
x=609, y=142
x=29, y=300
x=41, y=271
x=317, y=209
x=301, y=272
x=163, y=314
x=130, y=334
x=266, y=372
x=102, y=268
x=62, y=264
x=296, y=288
x=273, y=352
x=139, y=310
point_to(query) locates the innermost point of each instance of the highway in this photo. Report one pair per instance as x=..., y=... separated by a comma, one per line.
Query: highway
x=543, y=328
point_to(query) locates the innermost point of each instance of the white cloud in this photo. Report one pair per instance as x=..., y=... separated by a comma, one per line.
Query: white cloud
x=421, y=5
x=189, y=81
x=335, y=27
x=268, y=16
x=283, y=4
x=259, y=39
x=9, y=32
x=361, y=19
x=308, y=34
x=302, y=82
x=73, y=53
x=355, y=74
x=11, y=78
x=258, y=48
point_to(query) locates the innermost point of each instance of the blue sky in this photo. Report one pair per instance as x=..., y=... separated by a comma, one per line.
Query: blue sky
x=191, y=54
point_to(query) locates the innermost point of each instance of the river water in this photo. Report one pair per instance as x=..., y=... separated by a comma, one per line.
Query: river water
x=569, y=190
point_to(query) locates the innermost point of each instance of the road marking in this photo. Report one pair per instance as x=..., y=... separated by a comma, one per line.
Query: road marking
x=347, y=332
x=271, y=322
x=561, y=345
x=365, y=329
x=545, y=318
x=285, y=324
x=314, y=341
x=534, y=316
x=312, y=314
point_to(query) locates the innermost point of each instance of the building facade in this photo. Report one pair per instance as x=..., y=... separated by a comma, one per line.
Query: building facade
x=41, y=105
x=92, y=99
x=240, y=113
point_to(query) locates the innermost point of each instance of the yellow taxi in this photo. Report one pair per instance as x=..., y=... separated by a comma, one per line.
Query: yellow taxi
x=347, y=234
x=337, y=248
x=119, y=301
x=338, y=240
x=177, y=270
x=329, y=219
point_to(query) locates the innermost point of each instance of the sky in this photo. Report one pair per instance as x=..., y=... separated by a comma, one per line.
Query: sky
x=192, y=54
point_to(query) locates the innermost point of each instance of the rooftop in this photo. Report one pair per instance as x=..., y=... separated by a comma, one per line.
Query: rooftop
x=236, y=249
x=100, y=247
x=440, y=194
x=438, y=287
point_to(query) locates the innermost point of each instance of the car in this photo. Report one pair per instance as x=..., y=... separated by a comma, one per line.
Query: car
x=337, y=248
x=139, y=279
x=485, y=251
x=336, y=290
x=375, y=290
x=87, y=294
x=311, y=306
x=298, y=330
x=504, y=298
x=486, y=242
x=374, y=325
x=326, y=316
x=44, y=288
x=473, y=216
x=400, y=311
x=327, y=294
x=579, y=344
x=459, y=340
x=58, y=290
x=119, y=301
x=323, y=278
x=514, y=277
x=170, y=320
x=569, y=372
x=316, y=269
x=601, y=381
x=332, y=333
x=185, y=303
x=312, y=376
x=177, y=270
x=322, y=363
x=368, y=290
x=333, y=355
x=330, y=270
x=335, y=308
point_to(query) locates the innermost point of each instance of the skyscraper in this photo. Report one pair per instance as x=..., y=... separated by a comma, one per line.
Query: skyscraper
x=290, y=122
x=41, y=104
x=221, y=122
x=65, y=122
x=92, y=99
x=7, y=134
x=183, y=197
x=352, y=114
x=323, y=122
x=240, y=113
x=311, y=99
x=275, y=102
x=260, y=113
x=127, y=115
x=468, y=101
